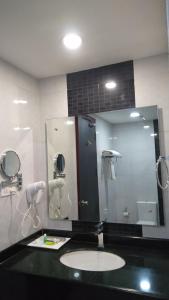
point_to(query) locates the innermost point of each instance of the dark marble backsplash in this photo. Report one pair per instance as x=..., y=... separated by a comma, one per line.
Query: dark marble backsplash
x=109, y=228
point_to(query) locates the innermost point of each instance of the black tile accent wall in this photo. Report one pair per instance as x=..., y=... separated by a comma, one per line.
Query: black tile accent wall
x=87, y=92
x=84, y=226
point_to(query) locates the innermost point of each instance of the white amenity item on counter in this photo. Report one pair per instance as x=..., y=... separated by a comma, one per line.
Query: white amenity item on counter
x=58, y=242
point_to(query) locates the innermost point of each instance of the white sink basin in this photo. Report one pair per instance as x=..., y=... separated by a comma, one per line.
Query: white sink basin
x=90, y=260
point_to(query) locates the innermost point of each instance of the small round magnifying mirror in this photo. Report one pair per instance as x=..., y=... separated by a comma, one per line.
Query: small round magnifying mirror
x=59, y=164
x=10, y=164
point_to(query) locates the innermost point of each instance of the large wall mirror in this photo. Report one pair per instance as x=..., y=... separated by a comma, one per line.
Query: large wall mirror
x=109, y=167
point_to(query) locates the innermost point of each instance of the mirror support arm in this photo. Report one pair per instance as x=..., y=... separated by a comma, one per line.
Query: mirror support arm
x=11, y=182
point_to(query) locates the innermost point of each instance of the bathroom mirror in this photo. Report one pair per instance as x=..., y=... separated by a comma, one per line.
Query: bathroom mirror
x=62, y=168
x=10, y=164
x=111, y=166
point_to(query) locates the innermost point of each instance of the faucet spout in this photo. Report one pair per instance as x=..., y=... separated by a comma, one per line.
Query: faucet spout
x=100, y=240
x=99, y=233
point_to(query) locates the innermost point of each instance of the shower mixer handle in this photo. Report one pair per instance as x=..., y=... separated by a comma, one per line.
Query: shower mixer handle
x=83, y=202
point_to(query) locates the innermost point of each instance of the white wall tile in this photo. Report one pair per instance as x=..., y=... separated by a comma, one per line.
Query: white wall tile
x=16, y=84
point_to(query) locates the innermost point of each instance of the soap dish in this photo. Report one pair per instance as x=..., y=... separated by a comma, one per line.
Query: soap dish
x=51, y=242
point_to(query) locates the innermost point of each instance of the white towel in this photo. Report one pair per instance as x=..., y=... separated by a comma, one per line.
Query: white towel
x=108, y=168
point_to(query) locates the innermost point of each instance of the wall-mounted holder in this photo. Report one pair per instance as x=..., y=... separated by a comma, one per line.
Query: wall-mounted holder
x=9, y=168
x=58, y=175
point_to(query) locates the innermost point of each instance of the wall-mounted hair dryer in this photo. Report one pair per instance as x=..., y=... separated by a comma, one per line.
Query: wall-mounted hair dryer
x=111, y=153
x=34, y=193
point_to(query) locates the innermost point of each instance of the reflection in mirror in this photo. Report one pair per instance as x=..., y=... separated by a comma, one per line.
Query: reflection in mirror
x=10, y=164
x=62, y=172
x=127, y=143
x=116, y=167
x=59, y=165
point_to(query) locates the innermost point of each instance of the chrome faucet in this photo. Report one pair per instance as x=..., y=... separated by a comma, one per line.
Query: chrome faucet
x=100, y=240
x=99, y=234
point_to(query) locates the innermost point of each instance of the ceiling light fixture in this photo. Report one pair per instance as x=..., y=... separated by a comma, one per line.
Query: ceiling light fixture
x=110, y=85
x=21, y=128
x=76, y=274
x=72, y=41
x=26, y=128
x=146, y=126
x=16, y=101
x=135, y=114
x=17, y=128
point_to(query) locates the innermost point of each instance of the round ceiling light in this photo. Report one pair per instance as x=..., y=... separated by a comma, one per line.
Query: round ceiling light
x=72, y=41
x=110, y=85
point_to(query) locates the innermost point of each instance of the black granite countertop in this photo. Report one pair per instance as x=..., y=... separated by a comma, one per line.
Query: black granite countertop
x=146, y=271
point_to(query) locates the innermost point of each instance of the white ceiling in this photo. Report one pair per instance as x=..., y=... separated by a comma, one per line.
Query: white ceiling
x=123, y=116
x=31, y=33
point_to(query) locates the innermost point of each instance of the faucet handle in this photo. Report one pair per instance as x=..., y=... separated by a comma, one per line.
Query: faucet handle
x=83, y=202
